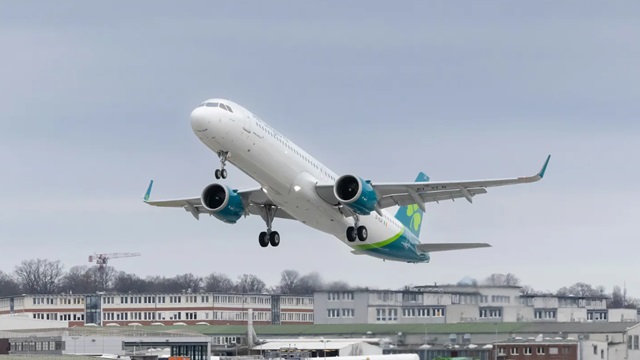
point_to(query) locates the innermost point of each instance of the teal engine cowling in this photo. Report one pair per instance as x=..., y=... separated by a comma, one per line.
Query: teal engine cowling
x=355, y=193
x=224, y=203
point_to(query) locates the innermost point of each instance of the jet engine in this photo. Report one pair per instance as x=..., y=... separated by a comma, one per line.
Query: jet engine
x=224, y=203
x=355, y=193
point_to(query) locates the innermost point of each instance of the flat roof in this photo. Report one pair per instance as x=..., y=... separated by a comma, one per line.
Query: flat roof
x=361, y=330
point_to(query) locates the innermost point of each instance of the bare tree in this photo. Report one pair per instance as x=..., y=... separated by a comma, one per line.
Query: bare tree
x=249, y=283
x=581, y=289
x=39, y=276
x=218, y=283
x=188, y=282
x=8, y=285
x=78, y=280
x=617, y=298
x=288, y=282
x=104, y=277
x=129, y=283
x=527, y=290
x=502, y=280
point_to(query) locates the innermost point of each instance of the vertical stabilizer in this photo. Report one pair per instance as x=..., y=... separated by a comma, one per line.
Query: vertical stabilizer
x=411, y=216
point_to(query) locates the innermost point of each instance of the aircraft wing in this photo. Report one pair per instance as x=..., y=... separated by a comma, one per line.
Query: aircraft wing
x=407, y=193
x=253, y=199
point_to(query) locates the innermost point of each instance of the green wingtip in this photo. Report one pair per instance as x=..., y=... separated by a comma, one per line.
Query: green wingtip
x=148, y=193
x=544, y=167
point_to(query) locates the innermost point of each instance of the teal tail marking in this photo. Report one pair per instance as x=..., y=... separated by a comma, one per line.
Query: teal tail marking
x=411, y=216
x=148, y=193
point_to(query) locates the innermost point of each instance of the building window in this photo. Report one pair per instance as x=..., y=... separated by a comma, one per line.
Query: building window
x=333, y=313
x=636, y=340
x=348, y=313
x=540, y=350
x=500, y=299
x=527, y=350
x=514, y=351
x=544, y=314
x=393, y=314
x=381, y=314
x=410, y=312
x=553, y=351
x=490, y=313
x=501, y=351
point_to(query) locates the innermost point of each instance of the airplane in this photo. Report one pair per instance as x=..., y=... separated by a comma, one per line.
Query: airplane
x=294, y=185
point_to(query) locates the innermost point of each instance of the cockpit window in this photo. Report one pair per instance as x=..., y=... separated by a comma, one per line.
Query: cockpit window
x=216, y=104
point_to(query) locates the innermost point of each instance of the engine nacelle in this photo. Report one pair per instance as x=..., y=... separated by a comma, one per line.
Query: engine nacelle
x=355, y=193
x=225, y=204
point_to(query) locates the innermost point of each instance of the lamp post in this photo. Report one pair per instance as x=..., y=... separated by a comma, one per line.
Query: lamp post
x=324, y=341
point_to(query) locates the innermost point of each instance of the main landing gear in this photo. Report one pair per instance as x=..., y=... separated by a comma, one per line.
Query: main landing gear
x=222, y=172
x=269, y=236
x=357, y=232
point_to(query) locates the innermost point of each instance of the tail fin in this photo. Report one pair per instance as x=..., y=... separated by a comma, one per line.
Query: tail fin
x=411, y=216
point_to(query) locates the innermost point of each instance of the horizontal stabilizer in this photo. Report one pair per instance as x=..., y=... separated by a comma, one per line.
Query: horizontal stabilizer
x=449, y=246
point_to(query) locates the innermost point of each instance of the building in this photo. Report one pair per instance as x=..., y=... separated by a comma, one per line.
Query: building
x=319, y=347
x=162, y=309
x=96, y=341
x=458, y=304
x=551, y=349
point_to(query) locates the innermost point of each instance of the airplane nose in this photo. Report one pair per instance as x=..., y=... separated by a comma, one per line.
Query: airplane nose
x=199, y=118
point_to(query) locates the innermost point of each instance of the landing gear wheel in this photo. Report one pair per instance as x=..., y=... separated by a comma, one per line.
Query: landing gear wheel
x=352, y=234
x=274, y=238
x=222, y=173
x=263, y=240
x=362, y=233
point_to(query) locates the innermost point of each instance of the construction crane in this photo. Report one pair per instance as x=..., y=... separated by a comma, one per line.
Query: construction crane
x=103, y=259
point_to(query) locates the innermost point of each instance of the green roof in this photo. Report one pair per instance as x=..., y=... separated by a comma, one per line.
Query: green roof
x=348, y=329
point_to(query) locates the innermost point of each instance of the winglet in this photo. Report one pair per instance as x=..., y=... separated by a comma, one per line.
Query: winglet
x=544, y=167
x=148, y=193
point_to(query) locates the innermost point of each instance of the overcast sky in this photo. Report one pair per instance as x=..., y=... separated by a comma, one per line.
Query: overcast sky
x=95, y=100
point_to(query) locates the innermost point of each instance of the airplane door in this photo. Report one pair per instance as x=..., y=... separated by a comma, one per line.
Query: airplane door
x=247, y=123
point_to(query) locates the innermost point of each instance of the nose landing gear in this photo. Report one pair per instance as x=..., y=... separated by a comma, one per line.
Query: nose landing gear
x=222, y=172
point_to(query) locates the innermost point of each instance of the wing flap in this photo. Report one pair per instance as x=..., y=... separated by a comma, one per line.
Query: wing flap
x=433, y=247
x=407, y=199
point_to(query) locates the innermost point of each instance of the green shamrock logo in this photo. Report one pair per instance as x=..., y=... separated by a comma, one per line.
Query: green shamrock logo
x=412, y=212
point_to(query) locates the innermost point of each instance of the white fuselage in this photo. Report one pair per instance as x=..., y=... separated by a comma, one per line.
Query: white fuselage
x=286, y=173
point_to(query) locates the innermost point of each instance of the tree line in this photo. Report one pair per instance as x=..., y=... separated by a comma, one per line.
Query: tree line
x=43, y=276
x=616, y=299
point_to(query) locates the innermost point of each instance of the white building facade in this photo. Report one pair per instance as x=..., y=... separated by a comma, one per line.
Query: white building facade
x=162, y=309
x=458, y=304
